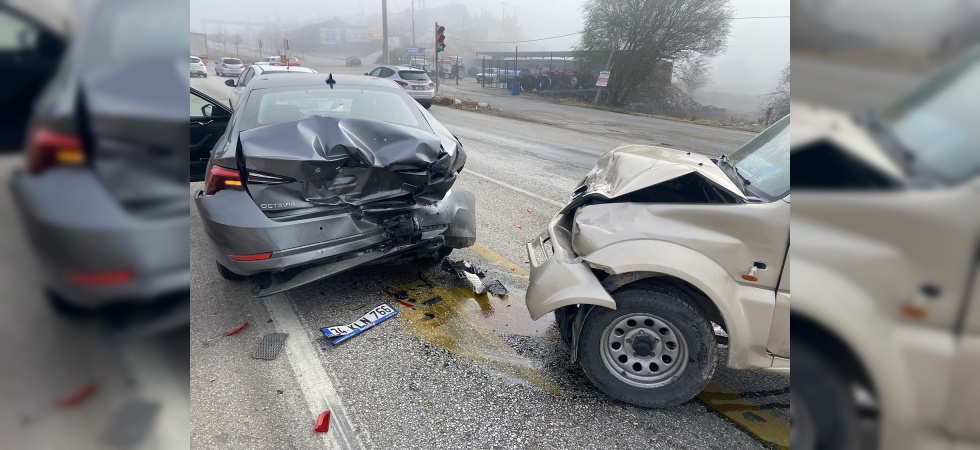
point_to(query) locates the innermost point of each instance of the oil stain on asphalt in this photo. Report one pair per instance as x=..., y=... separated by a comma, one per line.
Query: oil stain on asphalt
x=468, y=324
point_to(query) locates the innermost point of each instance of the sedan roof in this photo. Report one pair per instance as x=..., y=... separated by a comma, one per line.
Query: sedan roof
x=308, y=79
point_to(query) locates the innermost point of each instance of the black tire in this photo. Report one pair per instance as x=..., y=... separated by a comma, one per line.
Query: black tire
x=227, y=274
x=544, y=83
x=563, y=320
x=528, y=83
x=427, y=104
x=666, y=369
x=205, y=75
x=573, y=82
x=62, y=308
x=823, y=414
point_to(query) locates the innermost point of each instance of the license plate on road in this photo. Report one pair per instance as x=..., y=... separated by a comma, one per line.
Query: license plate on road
x=372, y=318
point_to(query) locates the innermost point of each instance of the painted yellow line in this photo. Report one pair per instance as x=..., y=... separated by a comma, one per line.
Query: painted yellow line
x=499, y=260
x=747, y=415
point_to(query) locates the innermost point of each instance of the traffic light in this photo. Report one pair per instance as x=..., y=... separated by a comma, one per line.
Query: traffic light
x=440, y=38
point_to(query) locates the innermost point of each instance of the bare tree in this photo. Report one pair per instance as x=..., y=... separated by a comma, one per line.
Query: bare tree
x=776, y=104
x=694, y=74
x=634, y=34
x=237, y=40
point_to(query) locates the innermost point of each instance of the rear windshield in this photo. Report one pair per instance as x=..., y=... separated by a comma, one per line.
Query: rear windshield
x=413, y=75
x=195, y=59
x=232, y=61
x=290, y=104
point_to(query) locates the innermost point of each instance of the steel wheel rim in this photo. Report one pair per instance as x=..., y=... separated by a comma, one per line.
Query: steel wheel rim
x=643, y=350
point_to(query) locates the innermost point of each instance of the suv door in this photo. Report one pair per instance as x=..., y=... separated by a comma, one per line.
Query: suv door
x=209, y=119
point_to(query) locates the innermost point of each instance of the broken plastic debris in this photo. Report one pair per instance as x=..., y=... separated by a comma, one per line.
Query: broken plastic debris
x=474, y=280
x=406, y=304
x=430, y=315
x=458, y=269
x=270, y=346
x=78, y=397
x=497, y=288
x=518, y=227
x=529, y=210
x=226, y=333
x=433, y=300
x=426, y=280
x=322, y=422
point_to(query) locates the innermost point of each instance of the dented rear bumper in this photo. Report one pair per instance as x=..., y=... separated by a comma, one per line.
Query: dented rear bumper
x=558, y=276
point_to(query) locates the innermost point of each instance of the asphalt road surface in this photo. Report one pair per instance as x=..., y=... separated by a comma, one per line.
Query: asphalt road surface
x=466, y=372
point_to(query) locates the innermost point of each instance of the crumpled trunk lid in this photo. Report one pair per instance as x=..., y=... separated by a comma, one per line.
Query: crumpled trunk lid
x=345, y=162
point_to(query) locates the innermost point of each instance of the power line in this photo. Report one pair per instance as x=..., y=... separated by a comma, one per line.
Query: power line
x=580, y=32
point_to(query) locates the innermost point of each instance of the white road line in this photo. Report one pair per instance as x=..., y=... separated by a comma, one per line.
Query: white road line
x=515, y=188
x=315, y=383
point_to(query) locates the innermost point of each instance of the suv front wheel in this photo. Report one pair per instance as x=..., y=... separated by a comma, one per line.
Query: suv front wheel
x=656, y=349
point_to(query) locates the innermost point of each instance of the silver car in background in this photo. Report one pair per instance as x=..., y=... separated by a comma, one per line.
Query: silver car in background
x=228, y=67
x=416, y=82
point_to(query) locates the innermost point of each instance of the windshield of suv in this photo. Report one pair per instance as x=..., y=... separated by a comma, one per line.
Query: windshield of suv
x=937, y=126
x=763, y=162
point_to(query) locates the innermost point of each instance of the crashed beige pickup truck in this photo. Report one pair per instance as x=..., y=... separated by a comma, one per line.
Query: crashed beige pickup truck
x=656, y=247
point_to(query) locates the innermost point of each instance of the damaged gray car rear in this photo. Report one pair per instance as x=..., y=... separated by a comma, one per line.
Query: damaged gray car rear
x=318, y=174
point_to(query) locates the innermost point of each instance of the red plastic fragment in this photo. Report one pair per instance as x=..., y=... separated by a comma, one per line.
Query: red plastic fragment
x=406, y=303
x=323, y=422
x=529, y=210
x=518, y=227
x=236, y=329
x=78, y=396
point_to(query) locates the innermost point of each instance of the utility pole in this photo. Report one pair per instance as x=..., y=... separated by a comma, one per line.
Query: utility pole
x=413, y=23
x=502, y=5
x=435, y=55
x=384, y=30
x=608, y=62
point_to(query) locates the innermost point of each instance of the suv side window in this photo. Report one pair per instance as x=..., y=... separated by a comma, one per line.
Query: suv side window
x=376, y=72
x=386, y=72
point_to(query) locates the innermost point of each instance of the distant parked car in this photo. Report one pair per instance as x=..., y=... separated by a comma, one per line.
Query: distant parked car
x=252, y=72
x=197, y=67
x=228, y=67
x=353, y=61
x=415, y=81
x=289, y=62
x=267, y=61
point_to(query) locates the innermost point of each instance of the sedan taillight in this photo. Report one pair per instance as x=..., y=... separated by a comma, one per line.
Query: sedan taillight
x=46, y=149
x=401, y=83
x=220, y=178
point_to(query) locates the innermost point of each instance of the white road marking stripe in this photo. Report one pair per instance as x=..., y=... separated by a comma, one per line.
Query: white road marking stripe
x=315, y=383
x=515, y=188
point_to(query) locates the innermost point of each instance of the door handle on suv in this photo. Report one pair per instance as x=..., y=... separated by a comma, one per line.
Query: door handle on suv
x=204, y=123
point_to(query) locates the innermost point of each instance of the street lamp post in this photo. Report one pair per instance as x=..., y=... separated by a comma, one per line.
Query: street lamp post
x=384, y=29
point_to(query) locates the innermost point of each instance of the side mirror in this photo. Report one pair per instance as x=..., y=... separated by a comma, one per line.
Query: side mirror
x=230, y=82
x=206, y=110
x=365, y=73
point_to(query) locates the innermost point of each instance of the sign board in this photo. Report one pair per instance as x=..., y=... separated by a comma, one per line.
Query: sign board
x=282, y=59
x=285, y=44
x=330, y=36
x=603, y=79
x=415, y=51
x=375, y=33
x=358, y=35
x=394, y=41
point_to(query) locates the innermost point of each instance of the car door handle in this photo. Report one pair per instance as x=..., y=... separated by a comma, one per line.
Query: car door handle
x=204, y=123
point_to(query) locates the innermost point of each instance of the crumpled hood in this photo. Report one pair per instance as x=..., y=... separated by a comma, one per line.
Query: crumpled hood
x=335, y=161
x=630, y=168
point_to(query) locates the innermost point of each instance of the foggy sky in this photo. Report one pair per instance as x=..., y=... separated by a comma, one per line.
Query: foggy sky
x=757, y=48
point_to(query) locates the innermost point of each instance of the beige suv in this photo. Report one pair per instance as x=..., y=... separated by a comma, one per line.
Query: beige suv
x=658, y=247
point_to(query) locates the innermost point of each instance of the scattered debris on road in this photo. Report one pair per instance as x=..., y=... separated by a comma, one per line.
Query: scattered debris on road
x=406, y=304
x=270, y=346
x=71, y=400
x=497, y=288
x=230, y=332
x=474, y=280
x=432, y=301
x=426, y=280
x=341, y=333
x=322, y=422
x=459, y=268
